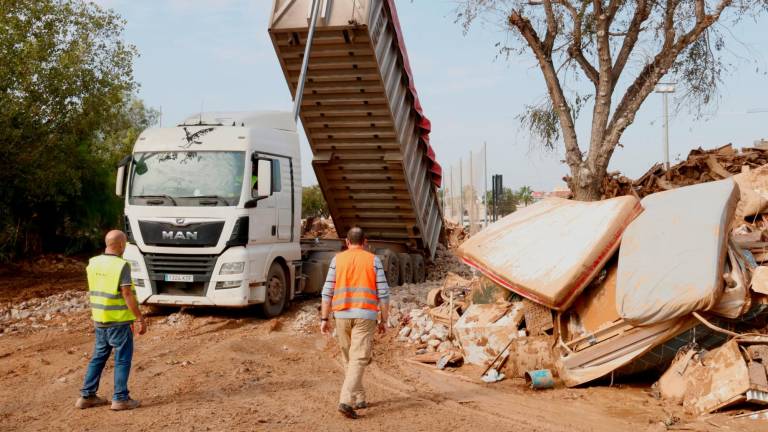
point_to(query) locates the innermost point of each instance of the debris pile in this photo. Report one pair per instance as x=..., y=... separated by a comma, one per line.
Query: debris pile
x=306, y=319
x=616, y=287
x=36, y=311
x=318, y=228
x=444, y=263
x=705, y=381
x=455, y=234
x=178, y=319
x=700, y=166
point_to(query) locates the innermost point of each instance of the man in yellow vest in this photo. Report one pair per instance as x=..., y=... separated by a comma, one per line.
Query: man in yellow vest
x=114, y=310
x=355, y=291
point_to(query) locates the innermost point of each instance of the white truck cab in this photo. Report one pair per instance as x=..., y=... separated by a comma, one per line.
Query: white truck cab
x=212, y=211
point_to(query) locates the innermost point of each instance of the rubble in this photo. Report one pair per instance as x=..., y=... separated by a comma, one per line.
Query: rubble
x=444, y=263
x=706, y=381
x=700, y=166
x=14, y=316
x=486, y=330
x=318, y=228
x=454, y=233
x=178, y=319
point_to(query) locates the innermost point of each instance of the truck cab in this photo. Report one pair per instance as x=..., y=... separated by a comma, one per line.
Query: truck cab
x=212, y=211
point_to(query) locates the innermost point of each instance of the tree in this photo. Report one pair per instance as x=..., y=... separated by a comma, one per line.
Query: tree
x=313, y=203
x=623, y=49
x=65, y=94
x=525, y=195
x=507, y=202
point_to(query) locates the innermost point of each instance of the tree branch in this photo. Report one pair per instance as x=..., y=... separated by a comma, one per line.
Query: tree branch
x=575, y=50
x=549, y=38
x=573, y=154
x=602, y=109
x=654, y=71
x=642, y=13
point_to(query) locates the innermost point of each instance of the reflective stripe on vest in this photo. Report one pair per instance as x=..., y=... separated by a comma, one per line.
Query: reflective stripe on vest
x=107, y=302
x=355, y=281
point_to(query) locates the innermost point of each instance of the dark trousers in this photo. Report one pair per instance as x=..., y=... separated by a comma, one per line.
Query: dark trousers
x=121, y=339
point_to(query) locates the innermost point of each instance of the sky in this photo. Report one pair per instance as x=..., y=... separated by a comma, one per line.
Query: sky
x=216, y=54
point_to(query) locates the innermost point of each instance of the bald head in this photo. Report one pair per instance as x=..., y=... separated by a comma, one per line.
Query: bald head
x=115, y=241
x=356, y=236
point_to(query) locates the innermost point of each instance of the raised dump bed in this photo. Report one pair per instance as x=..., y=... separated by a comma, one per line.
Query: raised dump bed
x=363, y=119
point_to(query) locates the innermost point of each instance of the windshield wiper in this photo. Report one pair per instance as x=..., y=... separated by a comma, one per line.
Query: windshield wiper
x=168, y=197
x=216, y=197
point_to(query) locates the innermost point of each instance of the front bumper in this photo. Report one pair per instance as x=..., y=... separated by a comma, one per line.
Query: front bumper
x=245, y=294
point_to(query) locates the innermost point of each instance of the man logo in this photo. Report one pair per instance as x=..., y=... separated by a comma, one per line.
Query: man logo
x=179, y=235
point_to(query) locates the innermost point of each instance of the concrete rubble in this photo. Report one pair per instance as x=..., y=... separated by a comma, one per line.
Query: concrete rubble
x=673, y=282
x=35, y=313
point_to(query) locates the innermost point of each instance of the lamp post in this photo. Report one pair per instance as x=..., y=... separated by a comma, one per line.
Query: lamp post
x=665, y=89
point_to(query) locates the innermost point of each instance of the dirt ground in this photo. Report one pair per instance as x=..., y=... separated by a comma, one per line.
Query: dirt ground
x=219, y=370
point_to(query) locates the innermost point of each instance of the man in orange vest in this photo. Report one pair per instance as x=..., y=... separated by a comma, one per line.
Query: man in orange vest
x=355, y=291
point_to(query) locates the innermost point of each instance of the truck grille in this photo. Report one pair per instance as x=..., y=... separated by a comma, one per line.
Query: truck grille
x=199, y=266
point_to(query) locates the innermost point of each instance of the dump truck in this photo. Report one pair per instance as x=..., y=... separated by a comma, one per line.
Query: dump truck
x=213, y=205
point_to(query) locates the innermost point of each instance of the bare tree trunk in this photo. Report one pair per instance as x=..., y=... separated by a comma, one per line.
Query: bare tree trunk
x=586, y=181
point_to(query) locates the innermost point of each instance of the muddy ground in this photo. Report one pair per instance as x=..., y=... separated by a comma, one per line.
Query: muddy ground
x=205, y=369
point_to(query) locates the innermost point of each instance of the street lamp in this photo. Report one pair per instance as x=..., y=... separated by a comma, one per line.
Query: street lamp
x=665, y=89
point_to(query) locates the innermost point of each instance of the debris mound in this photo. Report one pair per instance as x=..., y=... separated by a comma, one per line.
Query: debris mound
x=700, y=166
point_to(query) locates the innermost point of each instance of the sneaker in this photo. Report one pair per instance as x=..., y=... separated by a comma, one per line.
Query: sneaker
x=347, y=411
x=361, y=405
x=90, y=401
x=123, y=405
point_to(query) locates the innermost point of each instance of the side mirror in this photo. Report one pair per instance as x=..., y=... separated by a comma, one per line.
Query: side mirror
x=263, y=187
x=120, y=180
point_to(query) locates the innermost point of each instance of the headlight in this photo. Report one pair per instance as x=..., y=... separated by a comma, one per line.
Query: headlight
x=228, y=284
x=232, y=268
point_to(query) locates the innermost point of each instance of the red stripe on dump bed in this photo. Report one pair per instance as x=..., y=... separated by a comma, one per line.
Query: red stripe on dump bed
x=425, y=126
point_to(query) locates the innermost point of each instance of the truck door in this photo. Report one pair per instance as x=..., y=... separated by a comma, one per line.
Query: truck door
x=263, y=220
x=285, y=200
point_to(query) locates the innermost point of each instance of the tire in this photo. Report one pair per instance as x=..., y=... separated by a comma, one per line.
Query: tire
x=391, y=264
x=406, y=268
x=419, y=268
x=277, y=292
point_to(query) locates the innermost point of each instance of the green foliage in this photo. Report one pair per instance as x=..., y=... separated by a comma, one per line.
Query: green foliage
x=524, y=195
x=66, y=116
x=313, y=203
x=507, y=202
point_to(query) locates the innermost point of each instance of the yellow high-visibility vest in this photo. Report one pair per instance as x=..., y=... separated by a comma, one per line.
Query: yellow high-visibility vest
x=107, y=302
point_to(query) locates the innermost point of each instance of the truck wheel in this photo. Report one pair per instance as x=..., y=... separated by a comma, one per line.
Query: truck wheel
x=419, y=268
x=406, y=268
x=277, y=292
x=391, y=265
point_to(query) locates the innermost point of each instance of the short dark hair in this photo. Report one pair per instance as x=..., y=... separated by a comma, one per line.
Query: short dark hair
x=356, y=236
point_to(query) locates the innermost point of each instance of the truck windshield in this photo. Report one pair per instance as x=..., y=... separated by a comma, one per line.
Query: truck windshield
x=187, y=178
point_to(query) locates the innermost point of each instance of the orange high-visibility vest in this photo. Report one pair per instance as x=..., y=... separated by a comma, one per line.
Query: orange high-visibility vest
x=355, y=281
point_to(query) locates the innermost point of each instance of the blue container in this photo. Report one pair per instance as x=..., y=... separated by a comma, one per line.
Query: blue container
x=540, y=379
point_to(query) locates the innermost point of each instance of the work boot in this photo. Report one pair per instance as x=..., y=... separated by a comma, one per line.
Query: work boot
x=347, y=411
x=361, y=405
x=125, y=405
x=90, y=401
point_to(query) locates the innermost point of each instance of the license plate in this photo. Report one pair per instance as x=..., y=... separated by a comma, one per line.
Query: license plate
x=179, y=278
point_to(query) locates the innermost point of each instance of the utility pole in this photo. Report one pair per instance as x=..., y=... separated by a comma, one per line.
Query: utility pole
x=485, y=184
x=461, y=193
x=665, y=89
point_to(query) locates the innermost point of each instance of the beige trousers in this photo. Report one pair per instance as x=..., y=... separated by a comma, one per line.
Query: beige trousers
x=356, y=340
